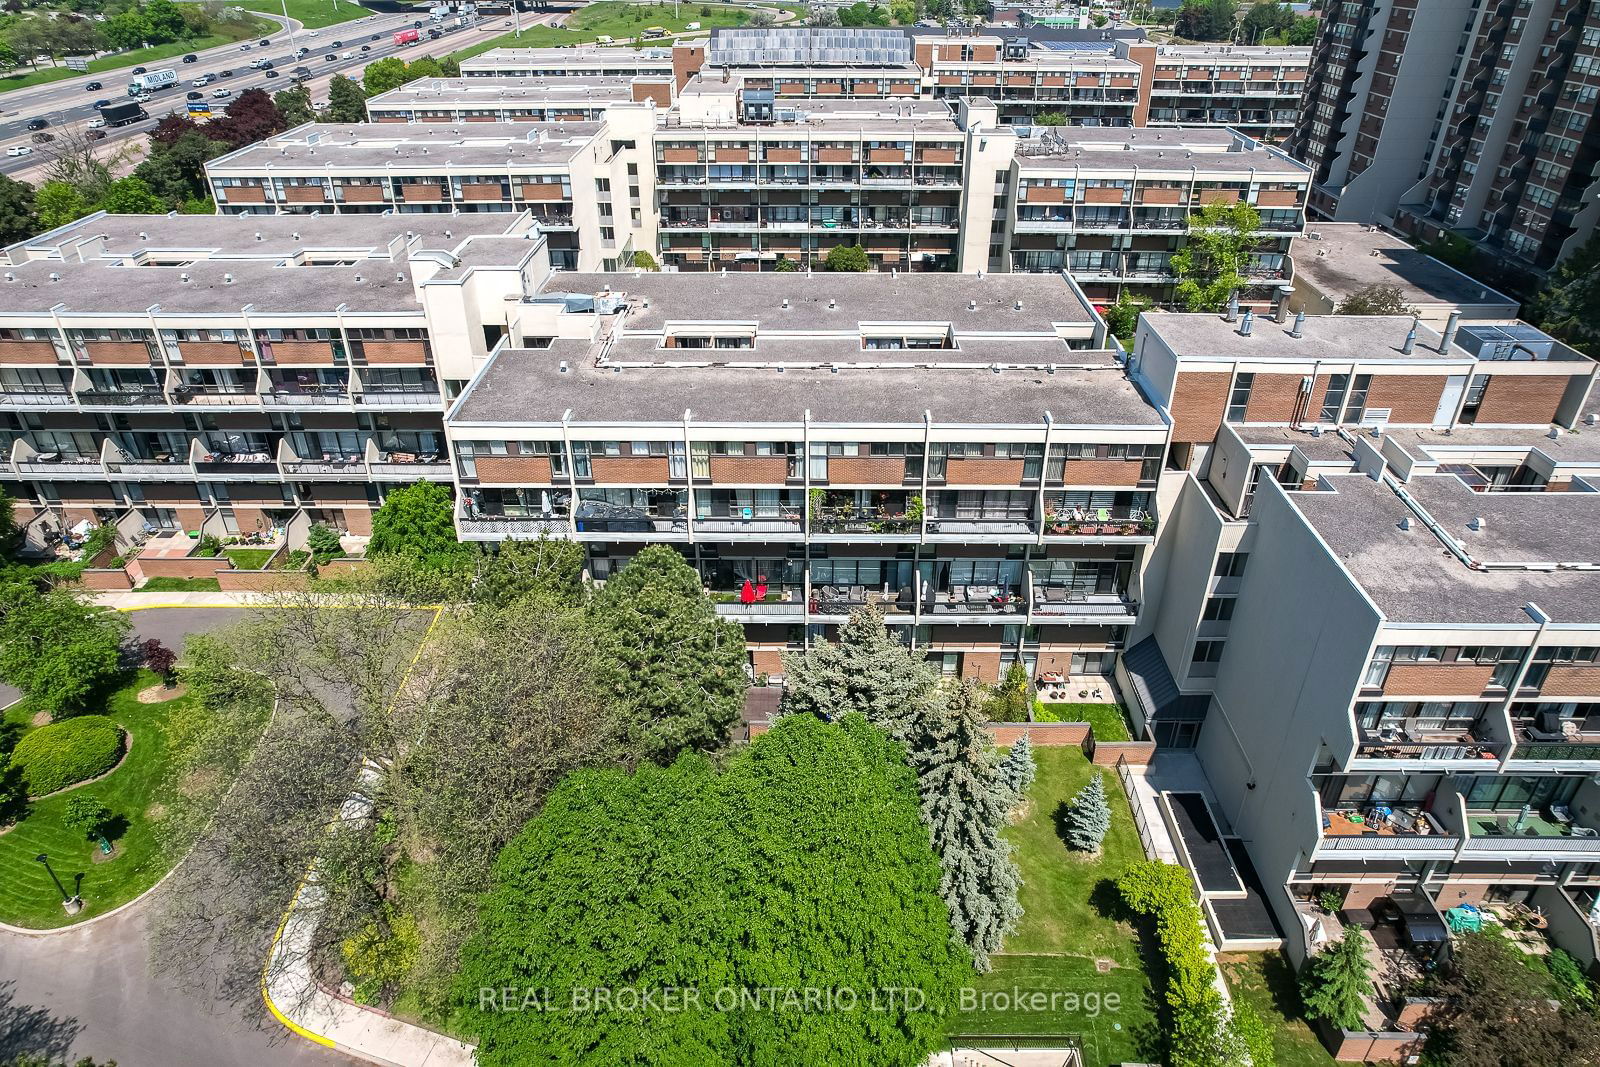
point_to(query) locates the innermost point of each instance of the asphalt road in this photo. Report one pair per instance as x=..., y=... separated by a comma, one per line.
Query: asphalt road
x=69, y=103
x=89, y=992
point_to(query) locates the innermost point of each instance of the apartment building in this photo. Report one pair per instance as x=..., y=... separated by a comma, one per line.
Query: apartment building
x=733, y=178
x=739, y=188
x=1088, y=79
x=588, y=185
x=1112, y=206
x=1463, y=116
x=237, y=372
x=1254, y=89
x=516, y=99
x=1375, y=625
x=959, y=451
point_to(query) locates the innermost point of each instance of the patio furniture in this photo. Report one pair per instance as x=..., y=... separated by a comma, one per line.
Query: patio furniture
x=1502, y=825
x=1585, y=831
x=1561, y=814
x=1465, y=919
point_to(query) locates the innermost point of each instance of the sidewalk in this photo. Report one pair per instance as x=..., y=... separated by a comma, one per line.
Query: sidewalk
x=133, y=600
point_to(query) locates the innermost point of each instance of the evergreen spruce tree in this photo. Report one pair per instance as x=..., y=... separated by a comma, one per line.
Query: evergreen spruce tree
x=964, y=805
x=867, y=670
x=1016, y=771
x=1336, y=983
x=1088, y=817
x=676, y=669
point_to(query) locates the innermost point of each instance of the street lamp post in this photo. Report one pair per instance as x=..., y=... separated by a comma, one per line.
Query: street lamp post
x=72, y=904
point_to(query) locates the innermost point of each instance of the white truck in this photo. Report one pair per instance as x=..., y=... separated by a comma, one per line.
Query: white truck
x=150, y=81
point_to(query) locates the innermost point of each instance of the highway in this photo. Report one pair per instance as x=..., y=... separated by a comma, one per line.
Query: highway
x=69, y=102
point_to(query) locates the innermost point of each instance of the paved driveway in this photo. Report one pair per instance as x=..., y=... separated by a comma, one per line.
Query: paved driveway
x=89, y=992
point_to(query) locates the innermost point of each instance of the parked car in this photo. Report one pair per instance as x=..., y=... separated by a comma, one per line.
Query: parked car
x=19, y=150
x=38, y=124
x=191, y=58
x=92, y=86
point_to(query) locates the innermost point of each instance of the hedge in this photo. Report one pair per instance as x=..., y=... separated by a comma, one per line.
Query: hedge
x=59, y=754
x=1198, y=1035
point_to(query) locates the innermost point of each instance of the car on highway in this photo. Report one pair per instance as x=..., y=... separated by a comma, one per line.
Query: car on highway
x=102, y=103
x=330, y=58
x=38, y=124
x=96, y=123
x=191, y=58
x=92, y=86
x=43, y=138
x=96, y=134
x=227, y=74
x=245, y=47
x=337, y=44
x=204, y=80
x=301, y=52
x=366, y=48
x=417, y=25
x=376, y=36
x=137, y=70
x=195, y=96
x=221, y=94
x=272, y=74
x=265, y=42
x=19, y=150
x=312, y=35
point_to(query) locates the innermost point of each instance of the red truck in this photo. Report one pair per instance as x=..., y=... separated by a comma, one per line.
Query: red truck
x=407, y=37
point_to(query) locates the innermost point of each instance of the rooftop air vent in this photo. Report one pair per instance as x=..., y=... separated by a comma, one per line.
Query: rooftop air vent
x=258, y=235
x=1405, y=522
x=1478, y=523
x=564, y=367
x=56, y=277
x=832, y=303
x=1247, y=323
x=1232, y=314
x=398, y=277
x=182, y=277
x=1016, y=305
x=143, y=235
x=1299, y=325
x=10, y=277
x=972, y=305
x=1411, y=340
x=358, y=278
x=227, y=279
x=785, y=302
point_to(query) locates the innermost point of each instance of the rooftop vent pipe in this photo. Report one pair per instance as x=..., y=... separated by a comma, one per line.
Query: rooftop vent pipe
x=1411, y=339
x=1299, y=324
x=1477, y=523
x=564, y=367
x=1449, y=332
x=1247, y=323
x=1233, y=308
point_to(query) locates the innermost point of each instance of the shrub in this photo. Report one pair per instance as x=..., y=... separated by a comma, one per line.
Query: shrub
x=1199, y=1035
x=209, y=547
x=62, y=753
x=160, y=659
x=323, y=541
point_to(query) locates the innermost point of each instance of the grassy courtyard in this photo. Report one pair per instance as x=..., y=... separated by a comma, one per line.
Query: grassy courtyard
x=133, y=791
x=1074, y=937
x=313, y=14
x=1109, y=721
x=622, y=22
x=181, y=585
x=1266, y=981
x=249, y=559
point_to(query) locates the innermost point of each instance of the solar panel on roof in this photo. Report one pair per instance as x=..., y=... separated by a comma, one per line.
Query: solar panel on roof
x=804, y=46
x=1076, y=46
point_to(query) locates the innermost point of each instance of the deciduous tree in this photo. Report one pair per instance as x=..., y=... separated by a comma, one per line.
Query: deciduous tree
x=847, y=258
x=417, y=521
x=131, y=196
x=1375, y=300
x=347, y=102
x=1568, y=306
x=18, y=219
x=1211, y=265
x=57, y=646
x=58, y=204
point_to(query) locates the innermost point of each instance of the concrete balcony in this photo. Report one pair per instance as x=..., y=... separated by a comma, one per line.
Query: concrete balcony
x=1551, y=834
x=52, y=465
x=398, y=398
x=1383, y=833
x=327, y=471
x=511, y=527
x=326, y=396
x=123, y=399
x=1059, y=604
x=409, y=472
x=160, y=470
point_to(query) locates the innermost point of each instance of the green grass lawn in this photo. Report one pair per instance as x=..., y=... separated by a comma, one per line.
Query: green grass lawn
x=1108, y=720
x=27, y=897
x=313, y=14
x=619, y=21
x=42, y=76
x=249, y=559
x=181, y=585
x=1073, y=923
x=1267, y=982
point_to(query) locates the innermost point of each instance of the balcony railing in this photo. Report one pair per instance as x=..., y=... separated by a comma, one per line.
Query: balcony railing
x=42, y=399
x=310, y=396
x=1463, y=748
x=1062, y=600
x=398, y=398
x=410, y=471
x=1105, y=522
x=59, y=466
x=156, y=467
x=211, y=395
x=1381, y=829
x=1511, y=830
x=122, y=397
x=514, y=526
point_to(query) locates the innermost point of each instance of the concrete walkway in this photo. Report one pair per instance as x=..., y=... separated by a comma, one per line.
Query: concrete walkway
x=126, y=600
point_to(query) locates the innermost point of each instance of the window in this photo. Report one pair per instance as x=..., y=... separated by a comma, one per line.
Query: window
x=1239, y=400
x=1230, y=564
x=1207, y=652
x=1356, y=406
x=1218, y=609
x=1333, y=399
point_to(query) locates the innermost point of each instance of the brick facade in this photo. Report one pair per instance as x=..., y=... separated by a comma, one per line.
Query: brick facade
x=517, y=470
x=866, y=470
x=1440, y=679
x=629, y=469
x=1573, y=682
x=1412, y=399
x=1102, y=472
x=1199, y=400
x=764, y=470
x=983, y=471
x=1274, y=397
x=1521, y=399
